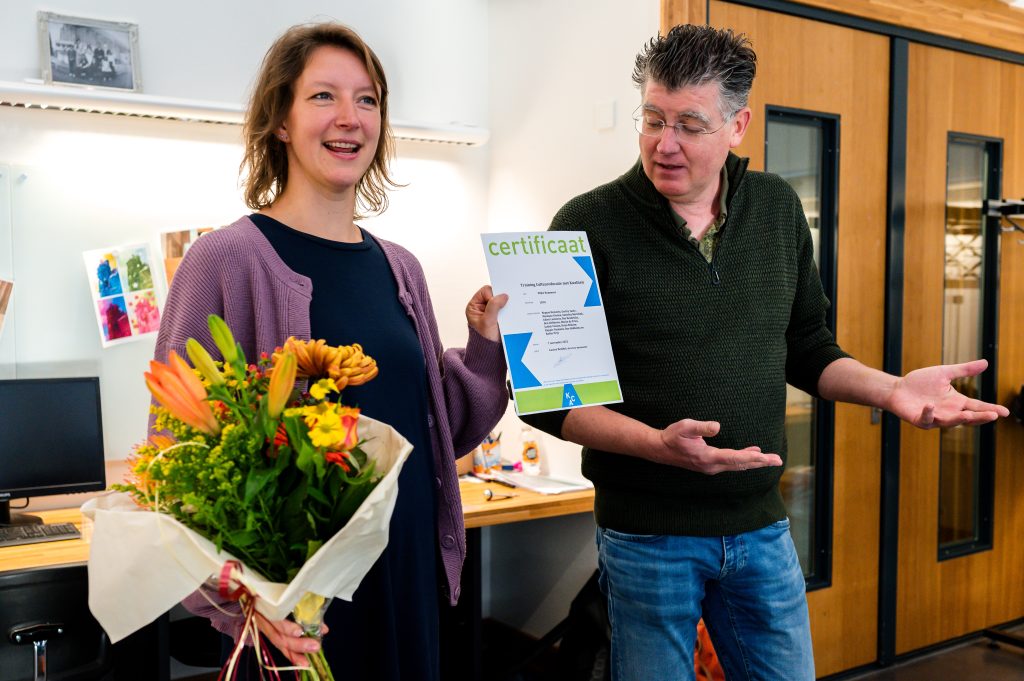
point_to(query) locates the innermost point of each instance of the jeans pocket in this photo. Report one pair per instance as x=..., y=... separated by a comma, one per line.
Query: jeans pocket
x=629, y=537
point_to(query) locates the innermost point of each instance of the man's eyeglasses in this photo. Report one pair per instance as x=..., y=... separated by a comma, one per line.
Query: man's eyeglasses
x=651, y=124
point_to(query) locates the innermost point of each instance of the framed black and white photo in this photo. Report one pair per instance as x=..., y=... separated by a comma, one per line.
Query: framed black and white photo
x=89, y=52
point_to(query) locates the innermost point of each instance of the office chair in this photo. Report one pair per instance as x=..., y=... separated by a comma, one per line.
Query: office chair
x=46, y=630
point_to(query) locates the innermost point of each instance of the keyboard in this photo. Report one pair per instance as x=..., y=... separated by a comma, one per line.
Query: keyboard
x=16, y=535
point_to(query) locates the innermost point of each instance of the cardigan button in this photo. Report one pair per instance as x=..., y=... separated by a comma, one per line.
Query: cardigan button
x=437, y=482
x=448, y=541
x=430, y=420
x=458, y=592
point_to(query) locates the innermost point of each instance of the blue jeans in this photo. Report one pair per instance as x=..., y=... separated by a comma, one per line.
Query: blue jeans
x=748, y=587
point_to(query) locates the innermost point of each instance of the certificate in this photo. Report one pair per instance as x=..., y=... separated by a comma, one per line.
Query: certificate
x=553, y=328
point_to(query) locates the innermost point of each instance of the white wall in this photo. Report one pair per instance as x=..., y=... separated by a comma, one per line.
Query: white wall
x=79, y=182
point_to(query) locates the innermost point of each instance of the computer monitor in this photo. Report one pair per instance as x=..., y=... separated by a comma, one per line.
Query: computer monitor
x=51, y=440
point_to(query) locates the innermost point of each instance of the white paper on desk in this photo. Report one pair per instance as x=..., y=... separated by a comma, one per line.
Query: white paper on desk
x=553, y=327
x=142, y=563
x=542, y=484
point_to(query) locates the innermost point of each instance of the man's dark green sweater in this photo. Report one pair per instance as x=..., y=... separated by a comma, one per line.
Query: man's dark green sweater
x=711, y=341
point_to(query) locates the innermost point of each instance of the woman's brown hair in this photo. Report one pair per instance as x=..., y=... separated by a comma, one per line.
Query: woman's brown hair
x=264, y=166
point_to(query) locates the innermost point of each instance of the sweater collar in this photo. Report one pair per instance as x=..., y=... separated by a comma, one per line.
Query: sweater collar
x=293, y=280
x=646, y=195
x=302, y=284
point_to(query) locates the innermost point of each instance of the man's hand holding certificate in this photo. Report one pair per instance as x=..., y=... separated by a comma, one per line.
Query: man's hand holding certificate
x=553, y=328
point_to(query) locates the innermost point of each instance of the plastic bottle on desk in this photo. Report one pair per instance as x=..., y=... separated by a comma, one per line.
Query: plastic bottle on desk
x=531, y=452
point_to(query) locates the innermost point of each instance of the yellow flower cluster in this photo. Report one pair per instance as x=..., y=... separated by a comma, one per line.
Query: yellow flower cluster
x=331, y=425
x=345, y=364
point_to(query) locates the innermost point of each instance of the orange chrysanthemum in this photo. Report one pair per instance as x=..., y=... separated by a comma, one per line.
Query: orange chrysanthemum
x=345, y=364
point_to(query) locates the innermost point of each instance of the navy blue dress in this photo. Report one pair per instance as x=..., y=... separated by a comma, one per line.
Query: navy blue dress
x=390, y=629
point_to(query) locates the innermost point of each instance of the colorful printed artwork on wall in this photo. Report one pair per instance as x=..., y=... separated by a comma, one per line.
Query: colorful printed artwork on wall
x=108, y=278
x=137, y=270
x=126, y=304
x=144, y=312
x=6, y=289
x=114, y=320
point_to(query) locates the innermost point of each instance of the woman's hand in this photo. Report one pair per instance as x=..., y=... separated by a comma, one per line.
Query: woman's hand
x=287, y=637
x=482, y=312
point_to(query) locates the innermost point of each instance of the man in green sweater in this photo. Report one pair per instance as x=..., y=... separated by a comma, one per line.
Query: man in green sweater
x=714, y=303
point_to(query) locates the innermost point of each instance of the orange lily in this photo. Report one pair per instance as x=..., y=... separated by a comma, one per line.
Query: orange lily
x=176, y=387
x=282, y=380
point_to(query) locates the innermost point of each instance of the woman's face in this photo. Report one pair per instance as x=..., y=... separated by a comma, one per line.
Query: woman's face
x=332, y=130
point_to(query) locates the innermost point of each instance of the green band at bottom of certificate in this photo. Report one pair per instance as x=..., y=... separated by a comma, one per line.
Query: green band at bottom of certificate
x=548, y=399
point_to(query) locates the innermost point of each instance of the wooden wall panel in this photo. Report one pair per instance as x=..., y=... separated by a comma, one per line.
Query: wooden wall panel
x=821, y=68
x=938, y=601
x=675, y=12
x=986, y=22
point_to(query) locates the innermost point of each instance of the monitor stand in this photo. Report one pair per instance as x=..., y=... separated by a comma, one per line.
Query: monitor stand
x=18, y=518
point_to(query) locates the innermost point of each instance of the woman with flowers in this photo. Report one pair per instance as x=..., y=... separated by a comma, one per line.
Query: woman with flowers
x=317, y=143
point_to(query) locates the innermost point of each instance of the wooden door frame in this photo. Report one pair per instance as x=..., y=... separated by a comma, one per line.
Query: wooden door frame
x=696, y=11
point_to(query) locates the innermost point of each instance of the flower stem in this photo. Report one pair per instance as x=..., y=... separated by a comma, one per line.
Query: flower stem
x=319, y=669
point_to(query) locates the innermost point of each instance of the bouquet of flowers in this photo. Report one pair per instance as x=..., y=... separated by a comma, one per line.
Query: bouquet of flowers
x=255, y=473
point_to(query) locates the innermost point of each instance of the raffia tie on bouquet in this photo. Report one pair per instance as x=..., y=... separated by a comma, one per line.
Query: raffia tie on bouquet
x=308, y=613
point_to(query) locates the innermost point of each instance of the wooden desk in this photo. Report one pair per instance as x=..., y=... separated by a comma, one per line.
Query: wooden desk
x=477, y=511
x=525, y=505
x=51, y=553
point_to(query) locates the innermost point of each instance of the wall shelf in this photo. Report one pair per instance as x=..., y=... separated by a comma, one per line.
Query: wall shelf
x=113, y=102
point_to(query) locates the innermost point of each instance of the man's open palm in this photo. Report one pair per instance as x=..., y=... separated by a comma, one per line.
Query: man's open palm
x=927, y=399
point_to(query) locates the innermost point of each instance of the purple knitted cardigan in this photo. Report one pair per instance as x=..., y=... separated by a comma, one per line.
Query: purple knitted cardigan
x=235, y=272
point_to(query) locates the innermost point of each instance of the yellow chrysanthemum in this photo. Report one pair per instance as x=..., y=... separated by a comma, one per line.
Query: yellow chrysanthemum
x=321, y=388
x=312, y=413
x=328, y=430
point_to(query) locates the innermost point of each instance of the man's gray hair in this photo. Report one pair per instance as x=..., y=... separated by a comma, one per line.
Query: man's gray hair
x=691, y=56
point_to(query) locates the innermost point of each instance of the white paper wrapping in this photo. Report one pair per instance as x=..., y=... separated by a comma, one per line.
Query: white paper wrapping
x=142, y=563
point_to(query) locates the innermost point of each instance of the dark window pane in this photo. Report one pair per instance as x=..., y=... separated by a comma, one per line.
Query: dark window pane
x=799, y=148
x=962, y=336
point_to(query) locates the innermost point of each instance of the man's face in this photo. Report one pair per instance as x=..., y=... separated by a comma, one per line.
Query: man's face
x=684, y=167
